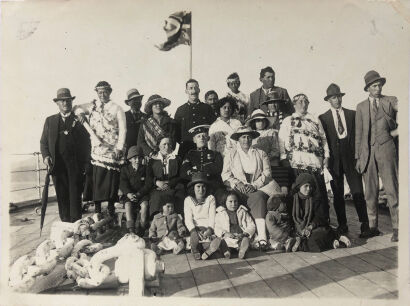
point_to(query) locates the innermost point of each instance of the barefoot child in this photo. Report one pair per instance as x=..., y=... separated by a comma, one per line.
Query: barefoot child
x=199, y=213
x=167, y=230
x=234, y=224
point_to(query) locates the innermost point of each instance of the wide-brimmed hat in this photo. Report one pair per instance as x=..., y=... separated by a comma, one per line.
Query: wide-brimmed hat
x=371, y=77
x=132, y=94
x=333, y=90
x=63, y=94
x=273, y=96
x=203, y=128
x=198, y=177
x=260, y=114
x=155, y=98
x=242, y=130
x=134, y=151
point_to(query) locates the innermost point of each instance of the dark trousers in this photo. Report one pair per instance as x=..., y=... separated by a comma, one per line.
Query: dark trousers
x=68, y=183
x=320, y=190
x=354, y=180
x=200, y=247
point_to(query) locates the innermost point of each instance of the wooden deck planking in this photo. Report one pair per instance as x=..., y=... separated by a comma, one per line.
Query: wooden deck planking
x=178, y=279
x=347, y=278
x=210, y=278
x=247, y=282
x=283, y=283
x=318, y=282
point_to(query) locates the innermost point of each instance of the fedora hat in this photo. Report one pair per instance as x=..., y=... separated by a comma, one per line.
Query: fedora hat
x=63, y=94
x=242, y=130
x=198, y=177
x=132, y=94
x=273, y=96
x=155, y=98
x=134, y=151
x=333, y=90
x=371, y=77
x=259, y=114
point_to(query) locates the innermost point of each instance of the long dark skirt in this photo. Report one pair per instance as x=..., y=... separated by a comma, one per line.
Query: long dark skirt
x=320, y=240
x=105, y=184
x=256, y=202
x=158, y=198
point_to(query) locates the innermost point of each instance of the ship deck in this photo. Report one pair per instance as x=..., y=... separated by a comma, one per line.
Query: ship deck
x=366, y=270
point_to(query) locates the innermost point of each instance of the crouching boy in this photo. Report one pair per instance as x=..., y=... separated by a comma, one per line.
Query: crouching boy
x=234, y=224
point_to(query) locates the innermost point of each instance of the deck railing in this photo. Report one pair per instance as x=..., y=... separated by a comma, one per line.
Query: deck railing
x=38, y=169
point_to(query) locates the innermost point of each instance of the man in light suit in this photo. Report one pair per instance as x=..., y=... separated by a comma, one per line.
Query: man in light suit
x=376, y=150
x=339, y=125
x=65, y=147
x=260, y=95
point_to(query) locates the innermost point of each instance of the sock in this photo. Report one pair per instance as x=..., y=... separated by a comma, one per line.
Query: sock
x=261, y=228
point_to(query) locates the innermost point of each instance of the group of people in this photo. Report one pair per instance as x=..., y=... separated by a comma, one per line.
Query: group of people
x=249, y=170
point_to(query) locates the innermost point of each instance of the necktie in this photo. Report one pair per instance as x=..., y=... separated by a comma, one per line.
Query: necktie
x=340, y=127
x=375, y=107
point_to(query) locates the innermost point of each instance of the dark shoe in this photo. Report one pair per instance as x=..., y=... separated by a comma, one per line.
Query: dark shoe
x=156, y=249
x=395, y=236
x=373, y=231
x=197, y=256
x=342, y=229
x=213, y=247
x=263, y=245
x=227, y=255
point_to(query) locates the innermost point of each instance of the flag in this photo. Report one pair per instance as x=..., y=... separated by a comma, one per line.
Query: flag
x=178, y=30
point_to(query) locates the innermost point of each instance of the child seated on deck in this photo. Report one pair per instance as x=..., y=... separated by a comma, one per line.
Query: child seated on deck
x=167, y=230
x=278, y=224
x=199, y=213
x=132, y=180
x=234, y=224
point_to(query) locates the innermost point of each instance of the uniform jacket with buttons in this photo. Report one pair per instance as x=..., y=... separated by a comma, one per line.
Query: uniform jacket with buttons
x=203, y=160
x=190, y=115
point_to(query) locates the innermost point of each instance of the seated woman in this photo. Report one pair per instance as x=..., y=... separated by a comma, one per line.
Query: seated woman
x=221, y=130
x=199, y=210
x=158, y=123
x=313, y=232
x=268, y=141
x=163, y=179
x=132, y=181
x=247, y=170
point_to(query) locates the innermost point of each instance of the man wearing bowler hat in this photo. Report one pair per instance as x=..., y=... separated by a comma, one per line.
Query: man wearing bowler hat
x=65, y=147
x=339, y=125
x=133, y=117
x=376, y=150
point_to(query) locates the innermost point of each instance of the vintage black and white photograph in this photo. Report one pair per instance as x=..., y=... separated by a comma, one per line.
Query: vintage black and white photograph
x=218, y=149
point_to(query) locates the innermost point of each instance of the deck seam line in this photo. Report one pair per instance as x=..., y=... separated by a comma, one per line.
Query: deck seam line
x=334, y=280
x=262, y=278
x=290, y=273
x=227, y=277
x=192, y=273
x=373, y=264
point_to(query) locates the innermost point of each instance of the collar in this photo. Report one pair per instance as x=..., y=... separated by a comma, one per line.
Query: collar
x=161, y=157
x=66, y=115
x=266, y=91
x=334, y=110
x=371, y=99
x=251, y=149
x=297, y=115
x=194, y=103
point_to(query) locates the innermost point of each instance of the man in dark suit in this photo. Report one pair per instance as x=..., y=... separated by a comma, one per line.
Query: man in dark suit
x=260, y=95
x=339, y=126
x=376, y=149
x=191, y=114
x=65, y=147
x=133, y=117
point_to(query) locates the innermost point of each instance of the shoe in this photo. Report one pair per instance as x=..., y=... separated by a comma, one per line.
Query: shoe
x=289, y=244
x=227, y=255
x=336, y=244
x=342, y=229
x=179, y=248
x=263, y=245
x=241, y=254
x=365, y=230
x=345, y=241
x=197, y=256
x=295, y=247
x=156, y=249
x=395, y=236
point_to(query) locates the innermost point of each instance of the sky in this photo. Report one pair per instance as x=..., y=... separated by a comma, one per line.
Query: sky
x=46, y=45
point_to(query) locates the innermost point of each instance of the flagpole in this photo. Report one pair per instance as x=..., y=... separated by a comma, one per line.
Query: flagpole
x=190, y=52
